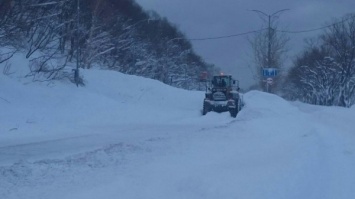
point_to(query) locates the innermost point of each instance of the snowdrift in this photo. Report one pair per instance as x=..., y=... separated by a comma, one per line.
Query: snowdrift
x=131, y=137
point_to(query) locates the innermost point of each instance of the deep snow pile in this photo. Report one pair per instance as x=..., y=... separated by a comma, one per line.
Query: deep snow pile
x=124, y=136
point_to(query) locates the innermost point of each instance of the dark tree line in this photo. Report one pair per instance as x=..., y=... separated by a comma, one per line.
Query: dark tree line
x=111, y=34
x=324, y=74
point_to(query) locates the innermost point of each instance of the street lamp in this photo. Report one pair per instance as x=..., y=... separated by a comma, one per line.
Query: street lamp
x=269, y=63
x=269, y=32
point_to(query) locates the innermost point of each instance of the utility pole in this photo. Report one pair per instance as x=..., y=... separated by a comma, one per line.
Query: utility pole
x=76, y=73
x=269, y=58
x=269, y=16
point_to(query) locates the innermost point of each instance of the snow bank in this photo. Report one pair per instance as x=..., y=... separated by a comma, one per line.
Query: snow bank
x=109, y=98
x=131, y=137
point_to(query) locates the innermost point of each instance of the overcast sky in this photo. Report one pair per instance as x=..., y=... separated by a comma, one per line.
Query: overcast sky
x=209, y=18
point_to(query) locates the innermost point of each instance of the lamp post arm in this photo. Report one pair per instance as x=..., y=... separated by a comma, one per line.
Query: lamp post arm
x=279, y=12
x=261, y=12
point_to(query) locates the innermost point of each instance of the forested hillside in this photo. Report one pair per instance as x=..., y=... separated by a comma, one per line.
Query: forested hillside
x=110, y=34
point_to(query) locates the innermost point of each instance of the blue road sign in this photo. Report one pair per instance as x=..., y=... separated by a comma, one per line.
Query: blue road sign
x=269, y=72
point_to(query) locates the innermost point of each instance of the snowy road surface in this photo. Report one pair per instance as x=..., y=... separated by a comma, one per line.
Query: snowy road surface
x=149, y=141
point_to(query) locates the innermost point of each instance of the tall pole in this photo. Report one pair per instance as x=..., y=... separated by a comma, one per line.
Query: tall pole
x=269, y=59
x=269, y=45
x=76, y=75
x=269, y=16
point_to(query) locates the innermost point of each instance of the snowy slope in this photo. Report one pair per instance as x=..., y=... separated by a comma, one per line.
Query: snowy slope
x=129, y=137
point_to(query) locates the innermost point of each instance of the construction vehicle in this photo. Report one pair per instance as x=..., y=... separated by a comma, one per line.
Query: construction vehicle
x=222, y=95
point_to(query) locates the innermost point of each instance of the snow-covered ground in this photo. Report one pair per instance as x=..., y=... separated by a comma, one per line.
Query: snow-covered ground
x=129, y=137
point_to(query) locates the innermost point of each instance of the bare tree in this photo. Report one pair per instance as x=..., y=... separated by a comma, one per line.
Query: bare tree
x=340, y=38
x=117, y=35
x=98, y=40
x=325, y=73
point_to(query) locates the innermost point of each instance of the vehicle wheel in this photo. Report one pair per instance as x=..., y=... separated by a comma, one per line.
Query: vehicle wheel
x=233, y=112
x=205, y=109
x=239, y=105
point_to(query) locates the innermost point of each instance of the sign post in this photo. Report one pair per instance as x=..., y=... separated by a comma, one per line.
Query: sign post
x=268, y=74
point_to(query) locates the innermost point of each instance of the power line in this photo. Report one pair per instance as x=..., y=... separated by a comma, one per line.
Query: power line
x=225, y=36
x=255, y=31
x=316, y=29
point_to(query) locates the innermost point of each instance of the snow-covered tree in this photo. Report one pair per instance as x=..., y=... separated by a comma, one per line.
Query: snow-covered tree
x=116, y=35
x=340, y=38
x=325, y=73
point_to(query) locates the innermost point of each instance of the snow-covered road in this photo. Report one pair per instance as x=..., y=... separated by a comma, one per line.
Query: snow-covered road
x=149, y=141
